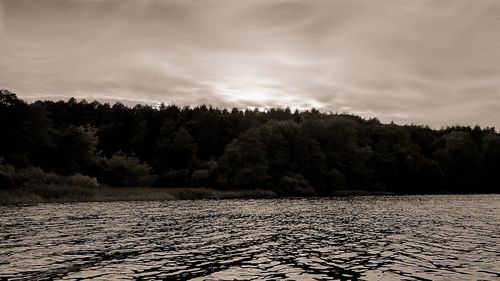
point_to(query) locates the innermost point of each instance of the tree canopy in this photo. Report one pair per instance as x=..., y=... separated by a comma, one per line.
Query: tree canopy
x=291, y=153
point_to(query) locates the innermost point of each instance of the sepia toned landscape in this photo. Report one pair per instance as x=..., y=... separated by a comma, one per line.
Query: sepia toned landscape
x=249, y=140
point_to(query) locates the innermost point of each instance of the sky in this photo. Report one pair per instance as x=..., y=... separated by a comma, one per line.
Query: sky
x=433, y=62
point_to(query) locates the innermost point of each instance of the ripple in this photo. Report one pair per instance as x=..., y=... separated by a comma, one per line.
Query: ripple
x=363, y=238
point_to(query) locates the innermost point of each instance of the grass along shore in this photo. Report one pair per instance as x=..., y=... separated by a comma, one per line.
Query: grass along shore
x=54, y=194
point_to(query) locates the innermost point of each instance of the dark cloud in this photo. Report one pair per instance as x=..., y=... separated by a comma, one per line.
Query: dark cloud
x=424, y=61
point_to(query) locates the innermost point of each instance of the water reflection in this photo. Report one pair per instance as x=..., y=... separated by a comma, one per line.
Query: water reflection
x=365, y=238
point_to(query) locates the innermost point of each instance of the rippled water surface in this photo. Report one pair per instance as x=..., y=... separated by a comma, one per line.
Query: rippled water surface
x=360, y=238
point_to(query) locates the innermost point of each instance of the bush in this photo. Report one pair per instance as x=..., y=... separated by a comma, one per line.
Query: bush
x=36, y=177
x=174, y=178
x=295, y=185
x=34, y=185
x=200, y=177
x=335, y=181
x=7, y=177
x=123, y=170
x=82, y=181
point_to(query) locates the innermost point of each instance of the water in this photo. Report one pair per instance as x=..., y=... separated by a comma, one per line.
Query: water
x=361, y=238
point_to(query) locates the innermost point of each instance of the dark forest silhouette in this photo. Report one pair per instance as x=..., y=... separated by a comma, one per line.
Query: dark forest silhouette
x=291, y=153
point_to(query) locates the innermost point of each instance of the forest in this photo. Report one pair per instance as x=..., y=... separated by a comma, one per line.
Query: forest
x=292, y=153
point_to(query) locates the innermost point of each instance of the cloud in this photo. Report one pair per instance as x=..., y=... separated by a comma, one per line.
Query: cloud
x=435, y=62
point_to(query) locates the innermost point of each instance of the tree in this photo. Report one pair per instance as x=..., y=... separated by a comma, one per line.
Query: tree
x=292, y=184
x=244, y=163
x=76, y=151
x=182, y=150
x=261, y=156
x=176, y=155
x=490, y=165
x=25, y=131
x=345, y=148
x=288, y=152
x=123, y=170
x=459, y=158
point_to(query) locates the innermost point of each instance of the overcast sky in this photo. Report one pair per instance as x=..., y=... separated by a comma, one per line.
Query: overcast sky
x=433, y=62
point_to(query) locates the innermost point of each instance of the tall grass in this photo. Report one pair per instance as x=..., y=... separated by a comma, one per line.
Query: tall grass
x=77, y=194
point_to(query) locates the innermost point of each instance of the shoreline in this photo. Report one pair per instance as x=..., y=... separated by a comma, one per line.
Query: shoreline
x=115, y=194
x=112, y=194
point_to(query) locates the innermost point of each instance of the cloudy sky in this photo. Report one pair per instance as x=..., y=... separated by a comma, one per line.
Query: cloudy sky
x=433, y=62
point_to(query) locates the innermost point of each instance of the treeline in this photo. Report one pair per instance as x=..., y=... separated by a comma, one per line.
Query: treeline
x=291, y=153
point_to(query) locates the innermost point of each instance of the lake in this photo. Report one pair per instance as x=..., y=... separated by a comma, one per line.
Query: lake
x=444, y=237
